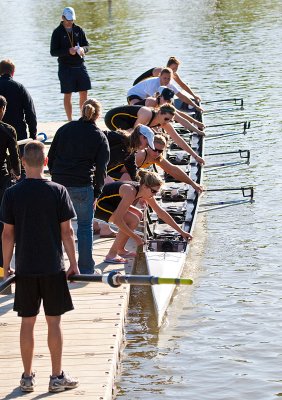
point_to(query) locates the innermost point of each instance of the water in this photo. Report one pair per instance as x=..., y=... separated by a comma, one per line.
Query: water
x=222, y=337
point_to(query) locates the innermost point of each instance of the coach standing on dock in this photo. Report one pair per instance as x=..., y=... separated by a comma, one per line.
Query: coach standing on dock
x=70, y=45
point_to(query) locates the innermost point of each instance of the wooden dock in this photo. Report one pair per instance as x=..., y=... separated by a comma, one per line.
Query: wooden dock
x=93, y=333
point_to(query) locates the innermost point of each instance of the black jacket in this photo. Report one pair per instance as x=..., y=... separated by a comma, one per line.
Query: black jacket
x=8, y=141
x=79, y=148
x=20, y=108
x=60, y=45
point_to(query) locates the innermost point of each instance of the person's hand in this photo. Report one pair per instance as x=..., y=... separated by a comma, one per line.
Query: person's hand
x=73, y=270
x=81, y=52
x=201, y=125
x=72, y=51
x=186, y=235
x=138, y=240
x=200, y=160
x=197, y=98
x=198, y=108
x=199, y=189
x=8, y=272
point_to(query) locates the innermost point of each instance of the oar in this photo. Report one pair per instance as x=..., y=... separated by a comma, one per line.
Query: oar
x=116, y=279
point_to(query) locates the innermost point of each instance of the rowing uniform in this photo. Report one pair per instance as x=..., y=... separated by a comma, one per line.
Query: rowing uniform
x=124, y=117
x=147, y=164
x=147, y=88
x=121, y=159
x=110, y=198
x=145, y=75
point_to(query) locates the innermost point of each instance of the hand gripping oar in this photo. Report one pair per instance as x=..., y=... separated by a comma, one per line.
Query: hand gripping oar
x=115, y=279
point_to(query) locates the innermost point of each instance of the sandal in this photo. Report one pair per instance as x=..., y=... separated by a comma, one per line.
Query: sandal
x=115, y=260
x=128, y=254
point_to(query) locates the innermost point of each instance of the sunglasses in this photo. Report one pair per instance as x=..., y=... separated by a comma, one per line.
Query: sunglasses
x=154, y=191
x=157, y=150
x=168, y=119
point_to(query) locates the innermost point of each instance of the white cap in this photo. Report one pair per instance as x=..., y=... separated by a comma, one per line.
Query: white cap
x=69, y=13
x=149, y=135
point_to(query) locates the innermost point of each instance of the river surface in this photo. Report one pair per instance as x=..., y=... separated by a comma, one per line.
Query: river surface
x=221, y=339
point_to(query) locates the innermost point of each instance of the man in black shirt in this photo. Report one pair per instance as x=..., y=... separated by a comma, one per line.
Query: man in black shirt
x=9, y=166
x=20, y=111
x=70, y=45
x=38, y=232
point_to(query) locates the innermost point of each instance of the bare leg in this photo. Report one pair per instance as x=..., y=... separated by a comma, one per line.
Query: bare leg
x=27, y=343
x=68, y=105
x=82, y=98
x=55, y=343
x=132, y=222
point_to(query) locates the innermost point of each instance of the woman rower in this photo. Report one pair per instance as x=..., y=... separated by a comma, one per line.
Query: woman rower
x=122, y=164
x=166, y=95
x=173, y=63
x=147, y=157
x=127, y=117
x=116, y=205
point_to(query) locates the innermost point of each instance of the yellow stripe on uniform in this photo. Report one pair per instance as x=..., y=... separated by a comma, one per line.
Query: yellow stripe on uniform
x=125, y=114
x=106, y=197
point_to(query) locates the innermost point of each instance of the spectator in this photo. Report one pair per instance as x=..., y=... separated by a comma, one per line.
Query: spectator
x=40, y=274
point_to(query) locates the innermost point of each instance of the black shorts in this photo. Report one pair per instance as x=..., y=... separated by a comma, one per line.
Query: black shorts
x=133, y=97
x=74, y=79
x=51, y=289
x=104, y=210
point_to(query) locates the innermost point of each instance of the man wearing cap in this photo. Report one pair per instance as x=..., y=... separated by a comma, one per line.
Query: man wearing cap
x=69, y=44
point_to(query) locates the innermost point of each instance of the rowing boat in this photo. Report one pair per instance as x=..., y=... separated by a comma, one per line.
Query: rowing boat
x=165, y=250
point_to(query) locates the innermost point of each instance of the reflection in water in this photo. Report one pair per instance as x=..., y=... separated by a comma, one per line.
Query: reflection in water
x=222, y=338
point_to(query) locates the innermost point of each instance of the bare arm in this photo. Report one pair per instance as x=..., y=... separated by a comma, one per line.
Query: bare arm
x=162, y=214
x=67, y=236
x=128, y=194
x=185, y=87
x=143, y=116
x=184, y=122
x=188, y=117
x=179, y=174
x=8, y=239
x=181, y=142
x=187, y=100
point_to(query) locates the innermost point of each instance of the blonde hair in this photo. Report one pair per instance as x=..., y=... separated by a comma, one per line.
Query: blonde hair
x=167, y=109
x=149, y=178
x=7, y=67
x=160, y=139
x=172, y=60
x=34, y=154
x=91, y=110
x=166, y=71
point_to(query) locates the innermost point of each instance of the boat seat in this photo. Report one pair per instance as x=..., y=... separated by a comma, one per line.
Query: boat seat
x=178, y=158
x=166, y=245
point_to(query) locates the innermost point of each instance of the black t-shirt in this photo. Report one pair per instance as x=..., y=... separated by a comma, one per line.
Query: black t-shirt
x=36, y=207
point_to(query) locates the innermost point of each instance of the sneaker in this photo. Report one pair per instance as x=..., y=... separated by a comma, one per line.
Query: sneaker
x=27, y=383
x=62, y=382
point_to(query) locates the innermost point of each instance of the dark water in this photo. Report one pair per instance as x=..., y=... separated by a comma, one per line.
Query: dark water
x=222, y=337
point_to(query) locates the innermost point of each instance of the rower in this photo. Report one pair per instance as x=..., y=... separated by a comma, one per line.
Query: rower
x=127, y=117
x=149, y=86
x=173, y=63
x=116, y=205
